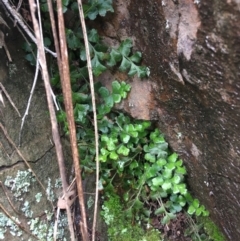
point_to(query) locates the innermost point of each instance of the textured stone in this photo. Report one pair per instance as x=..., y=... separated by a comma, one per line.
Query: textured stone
x=192, y=50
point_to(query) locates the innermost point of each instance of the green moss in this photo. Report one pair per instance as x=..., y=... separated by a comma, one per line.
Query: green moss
x=120, y=227
x=211, y=229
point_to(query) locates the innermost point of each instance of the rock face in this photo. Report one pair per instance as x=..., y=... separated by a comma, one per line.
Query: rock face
x=36, y=140
x=192, y=50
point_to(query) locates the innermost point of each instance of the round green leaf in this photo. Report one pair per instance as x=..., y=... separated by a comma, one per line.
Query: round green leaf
x=125, y=137
x=159, y=210
x=157, y=181
x=123, y=150
x=191, y=210
x=167, y=173
x=173, y=157
x=161, y=162
x=176, y=179
x=166, y=186
x=149, y=157
x=113, y=155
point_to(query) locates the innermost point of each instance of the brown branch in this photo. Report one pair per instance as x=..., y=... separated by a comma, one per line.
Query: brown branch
x=10, y=202
x=67, y=95
x=89, y=64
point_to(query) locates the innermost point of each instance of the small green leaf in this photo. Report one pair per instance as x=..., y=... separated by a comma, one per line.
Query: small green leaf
x=176, y=179
x=170, y=166
x=149, y=157
x=109, y=101
x=113, y=155
x=161, y=162
x=79, y=97
x=104, y=92
x=191, y=210
x=159, y=210
x=181, y=200
x=125, y=47
x=136, y=57
x=111, y=145
x=166, y=186
x=83, y=55
x=116, y=87
x=182, y=188
x=167, y=173
x=173, y=157
x=72, y=40
x=104, y=7
x=30, y=57
x=195, y=203
x=157, y=181
x=117, y=98
x=181, y=170
x=205, y=213
x=133, y=165
x=166, y=219
x=123, y=150
x=125, y=137
x=98, y=68
x=125, y=65
x=93, y=36
x=115, y=57
x=103, y=151
x=179, y=163
x=80, y=112
x=177, y=208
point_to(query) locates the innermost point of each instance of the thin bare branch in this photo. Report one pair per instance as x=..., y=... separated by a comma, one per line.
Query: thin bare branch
x=89, y=64
x=30, y=98
x=18, y=18
x=67, y=95
x=9, y=99
x=5, y=191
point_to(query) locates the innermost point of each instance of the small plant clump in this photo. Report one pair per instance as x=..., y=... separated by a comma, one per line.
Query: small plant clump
x=120, y=228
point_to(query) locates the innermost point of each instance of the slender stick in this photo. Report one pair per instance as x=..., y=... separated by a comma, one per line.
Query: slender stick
x=67, y=95
x=80, y=7
x=9, y=98
x=29, y=99
x=17, y=18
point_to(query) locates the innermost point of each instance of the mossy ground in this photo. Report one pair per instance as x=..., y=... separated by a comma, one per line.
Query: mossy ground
x=121, y=227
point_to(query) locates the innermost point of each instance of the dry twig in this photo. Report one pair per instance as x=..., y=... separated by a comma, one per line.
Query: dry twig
x=9, y=98
x=80, y=7
x=18, y=18
x=4, y=190
x=62, y=57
